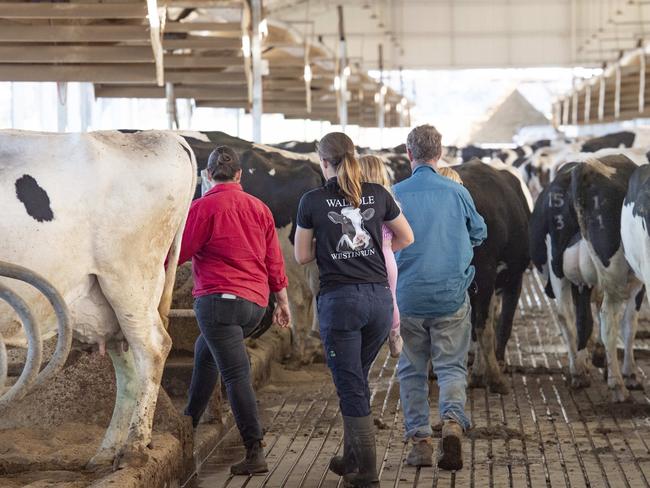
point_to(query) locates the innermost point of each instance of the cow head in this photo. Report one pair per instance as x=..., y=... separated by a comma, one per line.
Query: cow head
x=354, y=237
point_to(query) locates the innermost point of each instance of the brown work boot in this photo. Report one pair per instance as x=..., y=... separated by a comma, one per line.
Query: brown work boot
x=451, y=452
x=253, y=463
x=421, y=453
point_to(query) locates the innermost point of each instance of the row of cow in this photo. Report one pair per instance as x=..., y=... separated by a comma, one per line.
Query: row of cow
x=96, y=214
x=588, y=235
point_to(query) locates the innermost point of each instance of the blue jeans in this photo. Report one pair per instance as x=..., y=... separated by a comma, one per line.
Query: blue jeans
x=444, y=341
x=354, y=324
x=224, y=323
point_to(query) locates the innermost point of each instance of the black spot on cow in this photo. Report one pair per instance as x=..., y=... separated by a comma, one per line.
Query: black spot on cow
x=470, y=152
x=277, y=180
x=638, y=195
x=554, y=216
x=35, y=199
x=297, y=146
x=539, y=144
x=615, y=140
x=598, y=200
x=638, y=300
x=500, y=201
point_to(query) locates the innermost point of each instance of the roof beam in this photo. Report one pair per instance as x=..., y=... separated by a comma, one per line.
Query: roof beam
x=42, y=10
x=93, y=73
x=74, y=33
x=75, y=54
x=203, y=42
x=183, y=61
x=223, y=28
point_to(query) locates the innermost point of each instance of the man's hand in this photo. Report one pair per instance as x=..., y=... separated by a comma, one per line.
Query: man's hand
x=282, y=314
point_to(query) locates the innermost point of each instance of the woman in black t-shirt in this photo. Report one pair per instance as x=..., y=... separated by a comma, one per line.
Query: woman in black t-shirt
x=340, y=225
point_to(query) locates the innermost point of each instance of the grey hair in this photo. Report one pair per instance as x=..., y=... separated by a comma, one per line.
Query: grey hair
x=425, y=143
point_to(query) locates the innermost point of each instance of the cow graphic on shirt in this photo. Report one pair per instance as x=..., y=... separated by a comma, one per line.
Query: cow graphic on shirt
x=355, y=237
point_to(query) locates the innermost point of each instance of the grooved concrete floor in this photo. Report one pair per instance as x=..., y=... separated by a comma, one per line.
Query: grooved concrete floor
x=542, y=434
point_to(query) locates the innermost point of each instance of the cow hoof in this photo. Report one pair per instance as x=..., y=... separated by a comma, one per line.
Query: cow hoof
x=631, y=383
x=103, y=459
x=476, y=381
x=599, y=357
x=499, y=386
x=620, y=394
x=579, y=381
x=131, y=457
x=502, y=365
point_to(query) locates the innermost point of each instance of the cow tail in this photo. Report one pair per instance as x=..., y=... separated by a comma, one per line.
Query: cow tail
x=174, y=252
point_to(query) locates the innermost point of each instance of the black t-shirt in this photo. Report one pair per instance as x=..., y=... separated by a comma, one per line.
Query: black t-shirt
x=348, y=239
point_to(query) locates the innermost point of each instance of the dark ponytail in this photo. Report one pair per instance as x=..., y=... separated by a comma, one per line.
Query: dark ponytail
x=338, y=150
x=223, y=164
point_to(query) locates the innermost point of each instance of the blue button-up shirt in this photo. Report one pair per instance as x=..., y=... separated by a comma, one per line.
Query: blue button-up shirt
x=435, y=271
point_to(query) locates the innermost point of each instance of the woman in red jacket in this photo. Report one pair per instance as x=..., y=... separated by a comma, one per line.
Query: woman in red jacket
x=236, y=263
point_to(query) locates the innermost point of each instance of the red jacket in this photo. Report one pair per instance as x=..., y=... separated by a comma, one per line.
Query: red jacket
x=231, y=238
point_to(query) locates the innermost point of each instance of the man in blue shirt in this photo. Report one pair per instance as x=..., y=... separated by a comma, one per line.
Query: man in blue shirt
x=434, y=275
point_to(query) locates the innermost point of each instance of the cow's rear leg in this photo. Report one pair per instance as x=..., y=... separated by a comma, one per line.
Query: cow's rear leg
x=629, y=327
x=598, y=356
x=581, y=296
x=611, y=314
x=486, y=341
x=117, y=432
x=135, y=304
x=509, y=300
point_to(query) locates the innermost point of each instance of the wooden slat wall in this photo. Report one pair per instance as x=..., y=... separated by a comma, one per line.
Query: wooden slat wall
x=620, y=93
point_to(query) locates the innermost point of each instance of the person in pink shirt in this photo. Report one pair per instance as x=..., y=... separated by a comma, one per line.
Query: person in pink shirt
x=373, y=170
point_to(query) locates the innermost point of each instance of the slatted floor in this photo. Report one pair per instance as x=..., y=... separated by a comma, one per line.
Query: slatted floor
x=541, y=434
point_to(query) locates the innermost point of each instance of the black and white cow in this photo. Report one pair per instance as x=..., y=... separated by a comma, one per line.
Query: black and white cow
x=470, y=152
x=96, y=215
x=614, y=140
x=300, y=147
x=635, y=224
x=279, y=178
x=560, y=253
x=354, y=236
x=500, y=264
x=598, y=189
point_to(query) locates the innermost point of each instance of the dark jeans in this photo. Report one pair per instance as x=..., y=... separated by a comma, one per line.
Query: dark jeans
x=354, y=323
x=224, y=323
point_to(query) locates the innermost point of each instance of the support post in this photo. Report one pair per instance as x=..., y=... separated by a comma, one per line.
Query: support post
x=587, y=103
x=601, y=98
x=172, y=117
x=155, y=30
x=61, y=106
x=617, y=92
x=86, y=106
x=256, y=59
x=382, y=91
x=642, y=64
x=342, y=73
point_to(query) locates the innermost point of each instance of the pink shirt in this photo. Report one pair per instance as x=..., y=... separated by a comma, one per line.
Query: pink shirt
x=391, y=269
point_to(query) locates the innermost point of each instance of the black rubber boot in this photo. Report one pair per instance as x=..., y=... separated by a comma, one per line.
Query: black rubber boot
x=346, y=464
x=253, y=463
x=362, y=440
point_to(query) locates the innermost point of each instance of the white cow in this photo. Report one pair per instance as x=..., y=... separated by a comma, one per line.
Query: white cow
x=97, y=214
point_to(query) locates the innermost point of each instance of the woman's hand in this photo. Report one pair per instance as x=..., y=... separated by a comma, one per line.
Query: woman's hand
x=282, y=314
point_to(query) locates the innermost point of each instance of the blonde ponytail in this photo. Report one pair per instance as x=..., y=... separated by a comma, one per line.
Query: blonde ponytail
x=338, y=149
x=349, y=178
